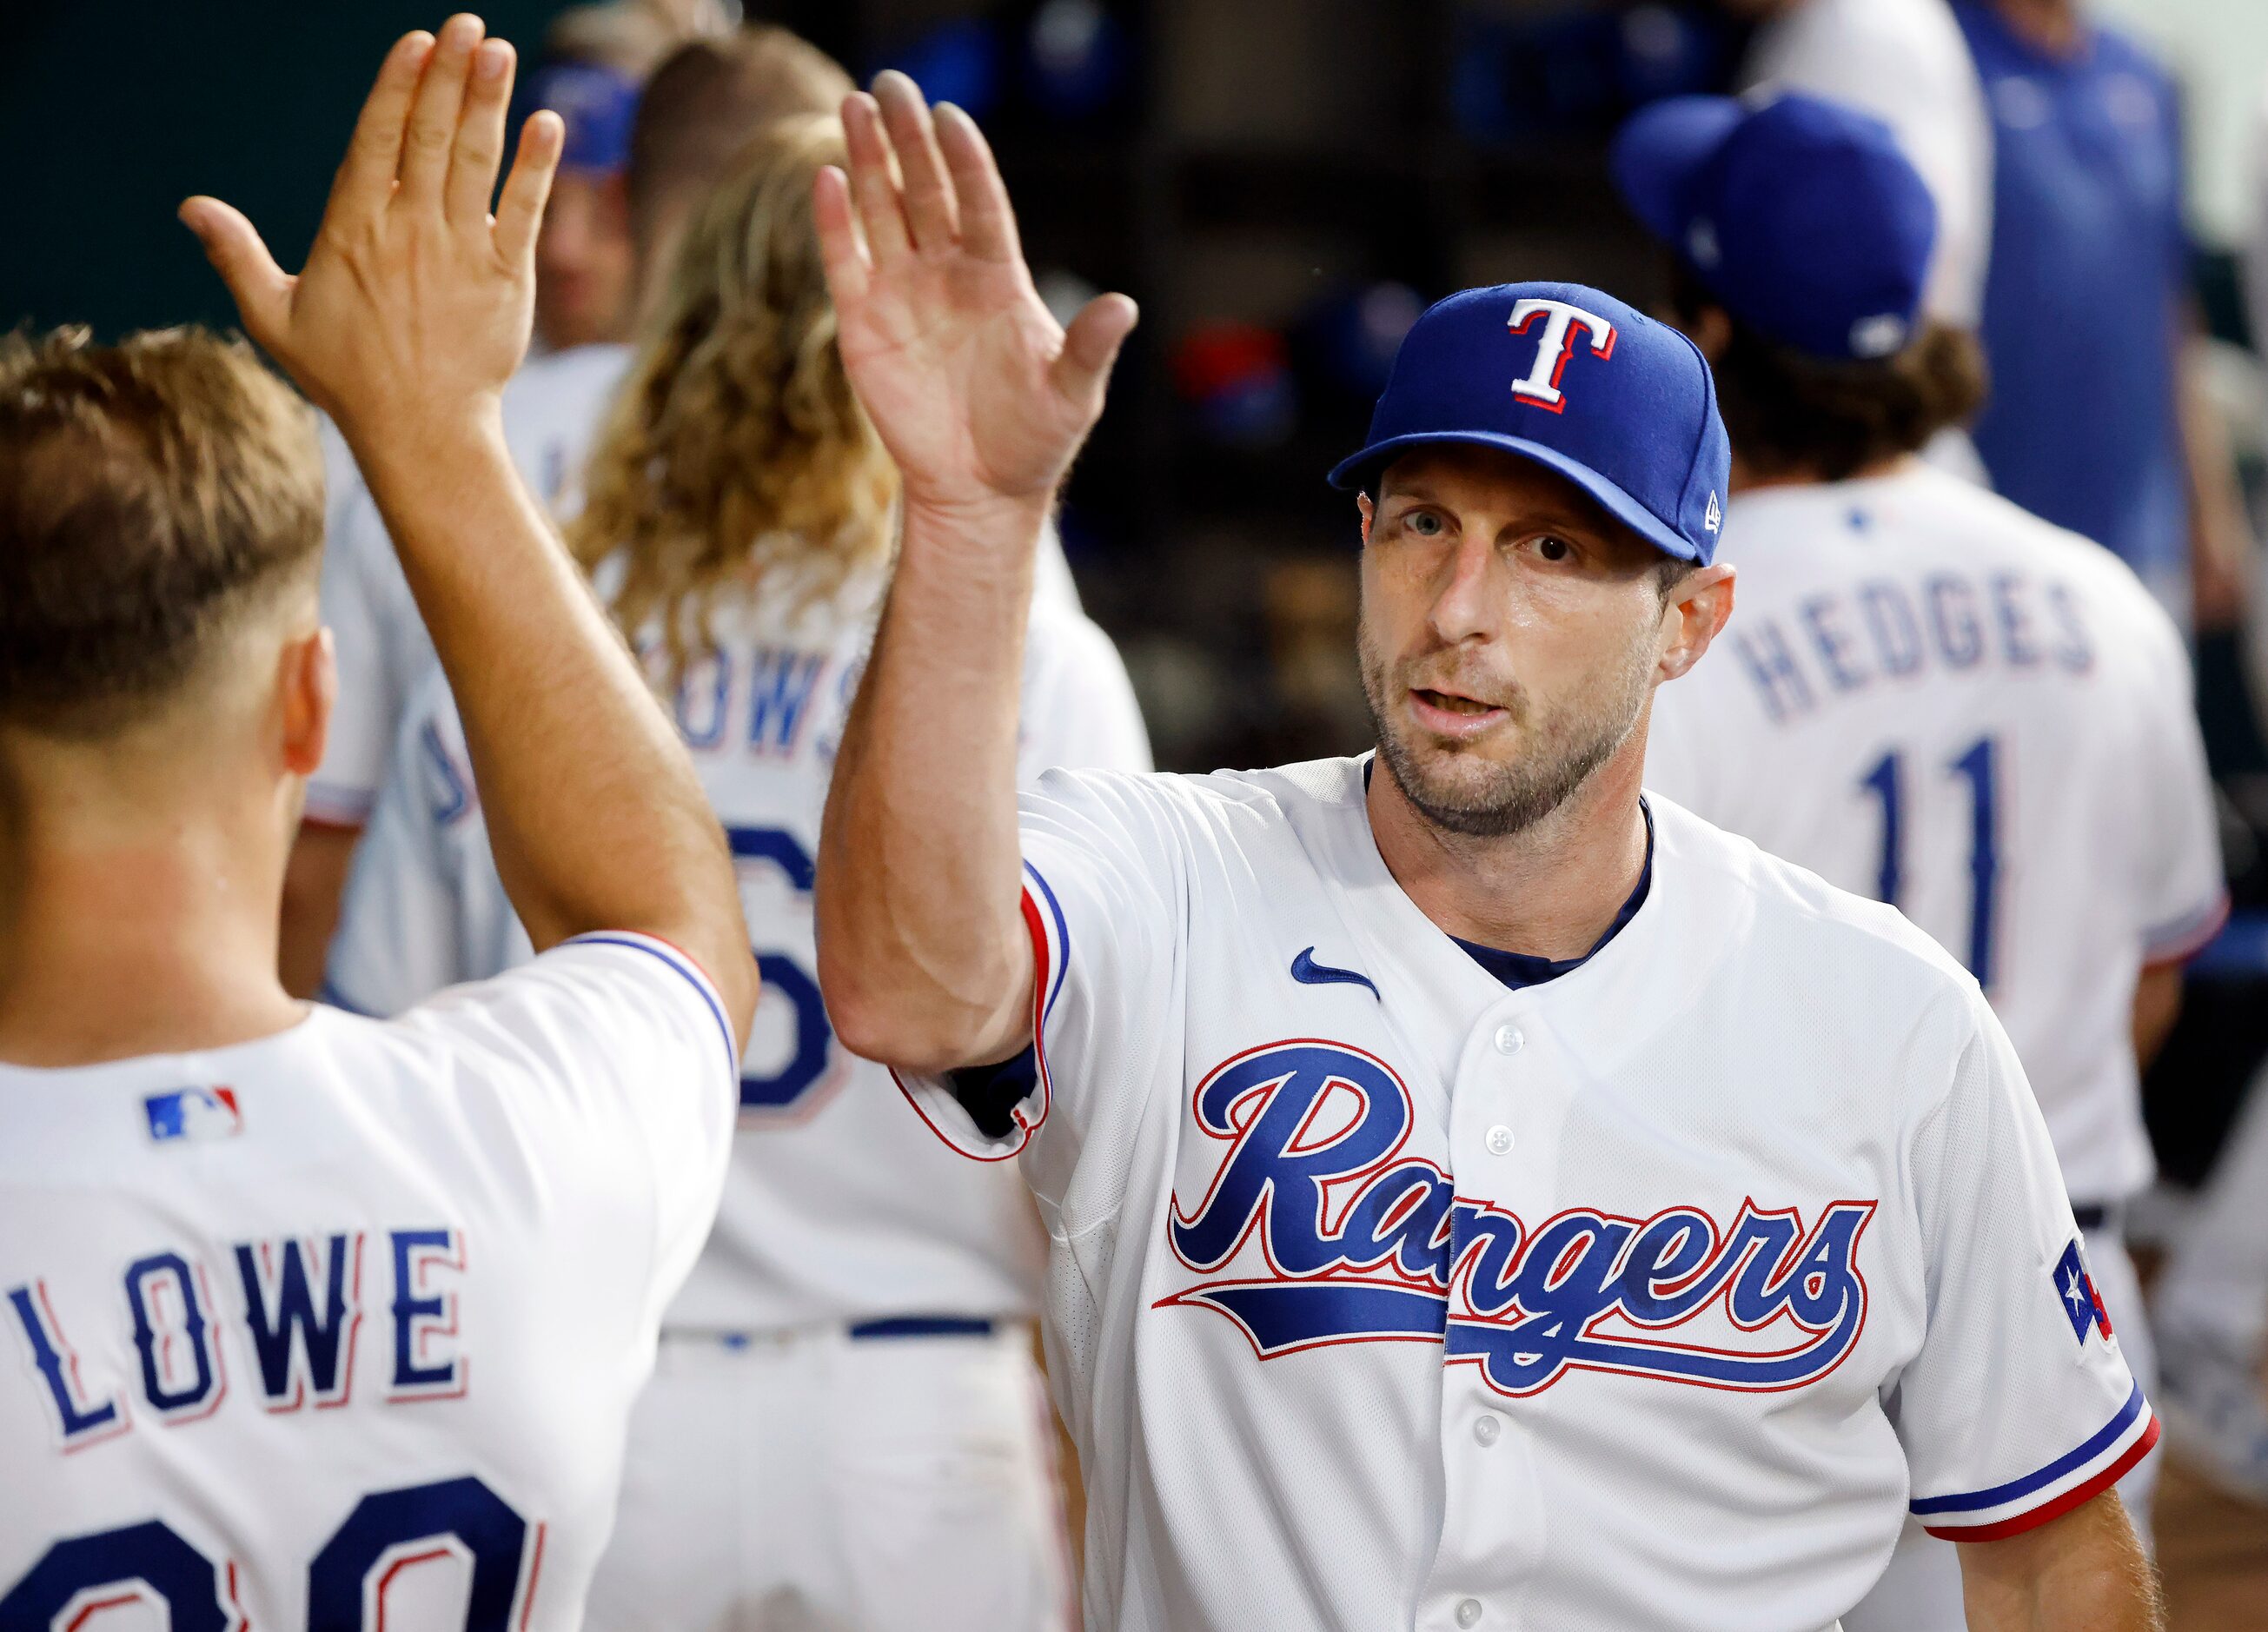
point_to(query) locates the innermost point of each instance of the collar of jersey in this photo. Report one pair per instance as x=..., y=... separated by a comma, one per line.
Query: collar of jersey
x=1628, y=979
x=1517, y=971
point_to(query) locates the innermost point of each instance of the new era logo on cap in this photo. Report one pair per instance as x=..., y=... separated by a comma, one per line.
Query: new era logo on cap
x=194, y=1115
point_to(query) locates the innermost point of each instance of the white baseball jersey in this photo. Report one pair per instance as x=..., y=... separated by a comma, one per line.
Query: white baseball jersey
x=553, y=411
x=1930, y=697
x=350, y=1320
x=840, y=1209
x=1384, y=1294
x=1905, y=62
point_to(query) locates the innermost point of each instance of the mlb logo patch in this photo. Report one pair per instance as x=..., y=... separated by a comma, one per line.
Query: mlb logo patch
x=196, y=1115
x=2082, y=1305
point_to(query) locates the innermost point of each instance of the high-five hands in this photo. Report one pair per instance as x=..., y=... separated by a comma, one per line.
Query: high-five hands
x=980, y=395
x=415, y=305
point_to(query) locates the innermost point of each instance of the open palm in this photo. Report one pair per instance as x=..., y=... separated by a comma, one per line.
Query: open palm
x=980, y=395
x=414, y=303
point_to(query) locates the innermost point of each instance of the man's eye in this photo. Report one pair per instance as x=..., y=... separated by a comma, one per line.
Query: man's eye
x=1424, y=523
x=1553, y=548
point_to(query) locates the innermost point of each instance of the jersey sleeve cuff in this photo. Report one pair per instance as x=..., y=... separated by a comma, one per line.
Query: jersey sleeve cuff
x=934, y=1097
x=2185, y=936
x=654, y=946
x=2071, y=1480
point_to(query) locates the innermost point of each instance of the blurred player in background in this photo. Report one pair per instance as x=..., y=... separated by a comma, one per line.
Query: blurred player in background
x=709, y=96
x=2211, y=1302
x=1905, y=62
x=2093, y=421
x=1929, y=697
x=319, y=1319
x=847, y=1423
x=596, y=58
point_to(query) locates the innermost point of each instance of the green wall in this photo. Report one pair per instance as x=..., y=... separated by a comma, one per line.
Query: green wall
x=113, y=111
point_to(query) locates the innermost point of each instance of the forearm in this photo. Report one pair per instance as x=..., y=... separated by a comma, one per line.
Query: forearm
x=2157, y=1005
x=921, y=951
x=577, y=765
x=2095, y=1599
x=2082, y=1572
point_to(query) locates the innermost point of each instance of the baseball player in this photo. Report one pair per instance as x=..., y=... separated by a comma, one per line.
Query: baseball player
x=710, y=96
x=1905, y=62
x=2108, y=429
x=1932, y=698
x=319, y=1321
x=847, y=1416
x=1479, y=1196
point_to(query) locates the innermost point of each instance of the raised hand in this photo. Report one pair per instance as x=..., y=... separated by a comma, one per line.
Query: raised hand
x=415, y=305
x=980, y=395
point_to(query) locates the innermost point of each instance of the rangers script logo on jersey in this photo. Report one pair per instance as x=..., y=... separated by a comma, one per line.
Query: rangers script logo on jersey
x=1360, y=1242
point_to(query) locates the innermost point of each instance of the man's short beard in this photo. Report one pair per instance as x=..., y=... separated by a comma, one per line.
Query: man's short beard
x=1567, y=748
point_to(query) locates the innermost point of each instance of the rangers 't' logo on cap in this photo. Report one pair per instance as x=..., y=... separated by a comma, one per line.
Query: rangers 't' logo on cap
x=1541, y=384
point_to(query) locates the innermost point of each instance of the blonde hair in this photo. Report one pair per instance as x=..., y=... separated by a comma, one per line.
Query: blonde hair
x=736, y=457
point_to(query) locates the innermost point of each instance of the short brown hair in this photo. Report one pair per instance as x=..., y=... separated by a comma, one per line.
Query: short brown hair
x=709, y=97
x=624, y=39
x=150, y=491
x=1787, y=413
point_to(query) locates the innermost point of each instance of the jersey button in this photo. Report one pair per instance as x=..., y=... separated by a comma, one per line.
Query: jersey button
x=1487, y=1429
x=1468, y=1613
x=1499, y=1139
x=1508, y=1040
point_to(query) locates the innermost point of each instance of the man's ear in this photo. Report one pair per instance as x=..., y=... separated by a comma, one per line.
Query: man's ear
x=1711, y=330
x=1699, y=606
x=1369, y=514
x=310, y=686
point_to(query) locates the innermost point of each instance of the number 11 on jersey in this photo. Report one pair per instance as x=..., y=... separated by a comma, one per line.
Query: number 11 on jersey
x=1978, y=766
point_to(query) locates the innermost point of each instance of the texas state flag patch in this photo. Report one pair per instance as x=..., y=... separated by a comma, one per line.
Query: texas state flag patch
x=2082, y=1305
x=193, y=1114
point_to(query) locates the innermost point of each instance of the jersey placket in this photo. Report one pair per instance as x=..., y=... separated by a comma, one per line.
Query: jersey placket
x=1508, y=1105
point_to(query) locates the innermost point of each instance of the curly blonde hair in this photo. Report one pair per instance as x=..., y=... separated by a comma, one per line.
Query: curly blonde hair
x=736, y=457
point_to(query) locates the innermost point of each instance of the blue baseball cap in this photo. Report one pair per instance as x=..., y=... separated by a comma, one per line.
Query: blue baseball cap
x=595, y=104
x=1579, y=382
x=1802, y=216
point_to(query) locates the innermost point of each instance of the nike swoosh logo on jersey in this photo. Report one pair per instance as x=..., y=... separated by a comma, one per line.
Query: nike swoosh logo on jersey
x=1308, y=972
